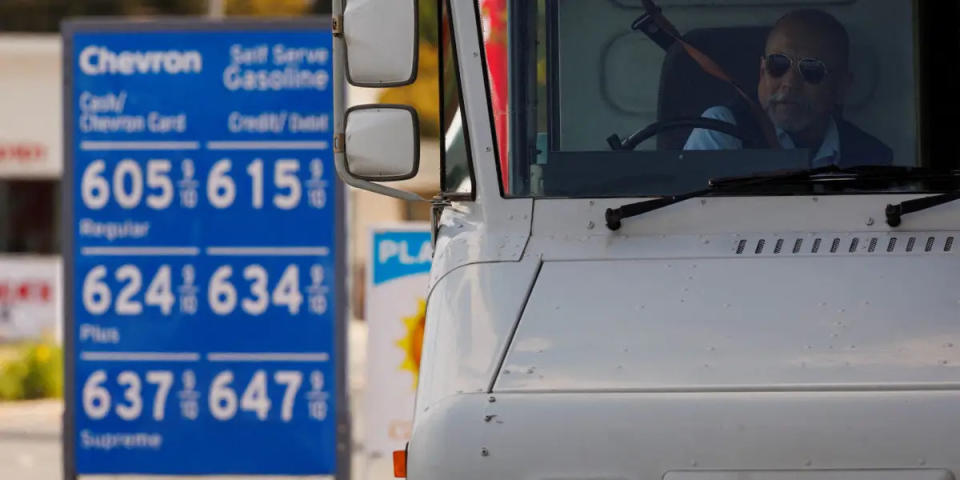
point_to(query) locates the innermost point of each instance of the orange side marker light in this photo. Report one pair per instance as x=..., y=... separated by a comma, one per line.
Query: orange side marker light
x=400, y=463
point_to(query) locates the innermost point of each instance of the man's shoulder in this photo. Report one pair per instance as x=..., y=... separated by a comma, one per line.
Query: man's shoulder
x=720, y=112
x=706, y=139
x=860, y=146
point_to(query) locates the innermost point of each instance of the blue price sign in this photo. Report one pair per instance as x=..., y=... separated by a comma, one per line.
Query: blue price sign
x=204, y=313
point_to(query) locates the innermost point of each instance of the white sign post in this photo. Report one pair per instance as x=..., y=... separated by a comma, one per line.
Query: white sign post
x=395, y=305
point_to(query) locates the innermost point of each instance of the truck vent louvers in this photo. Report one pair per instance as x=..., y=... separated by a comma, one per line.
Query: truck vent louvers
x=847, y=244
x=741, y=246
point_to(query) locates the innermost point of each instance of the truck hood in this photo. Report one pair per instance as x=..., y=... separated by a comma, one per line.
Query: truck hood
x=767, y=314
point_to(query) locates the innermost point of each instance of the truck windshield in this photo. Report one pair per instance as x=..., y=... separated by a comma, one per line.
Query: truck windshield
x=596, y=98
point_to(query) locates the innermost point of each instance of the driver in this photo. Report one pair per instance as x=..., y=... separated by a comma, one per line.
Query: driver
x=803, y=77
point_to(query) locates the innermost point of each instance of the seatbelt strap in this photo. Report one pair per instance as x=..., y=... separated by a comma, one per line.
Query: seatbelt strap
x=715, y=70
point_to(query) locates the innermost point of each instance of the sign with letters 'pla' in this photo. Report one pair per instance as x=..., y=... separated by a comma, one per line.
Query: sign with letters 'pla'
x=395, y=312
x=203, y=301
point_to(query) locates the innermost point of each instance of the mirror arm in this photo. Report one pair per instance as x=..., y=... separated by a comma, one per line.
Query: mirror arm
x=341, y=165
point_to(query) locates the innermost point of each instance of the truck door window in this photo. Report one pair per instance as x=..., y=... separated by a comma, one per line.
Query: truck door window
x=454, y=158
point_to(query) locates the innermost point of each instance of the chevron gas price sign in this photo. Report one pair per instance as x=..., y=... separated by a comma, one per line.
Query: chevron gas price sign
x=204, y=322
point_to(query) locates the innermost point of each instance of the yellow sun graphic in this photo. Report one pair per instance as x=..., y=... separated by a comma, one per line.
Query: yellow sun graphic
x=412, y=342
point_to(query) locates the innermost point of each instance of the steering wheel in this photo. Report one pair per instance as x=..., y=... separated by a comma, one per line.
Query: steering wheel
x=661, y=126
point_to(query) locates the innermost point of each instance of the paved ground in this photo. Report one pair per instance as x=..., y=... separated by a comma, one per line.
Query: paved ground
x=30, y=440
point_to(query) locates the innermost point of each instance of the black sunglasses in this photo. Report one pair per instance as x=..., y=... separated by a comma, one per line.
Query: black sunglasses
x=812, y=70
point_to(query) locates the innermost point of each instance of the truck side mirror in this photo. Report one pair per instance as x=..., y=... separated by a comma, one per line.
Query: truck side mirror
x=381, y=42
x=382, y=142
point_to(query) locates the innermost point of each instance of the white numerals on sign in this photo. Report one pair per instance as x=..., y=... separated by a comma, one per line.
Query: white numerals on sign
x=96, y=293
x=316, y=185
x=255, y=170
x=221, y=295
x=222, y=398
x=285, y=177
x=93, y=187
x=131, y=275
x=97, y=296
x=158, y=176
x=316, y=397
x=131, y=395
x=96, y=398
x=261, y=300
x=160, y=291
x=128, y=184
x=188, y=290
x=163, y=380
x=221, y=191
x=287, y=291
x=255, y=398
x=188, y=184
x=318, y=292
x=292, y=380
x=128, y=168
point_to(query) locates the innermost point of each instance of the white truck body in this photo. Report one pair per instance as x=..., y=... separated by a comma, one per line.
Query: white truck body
x=725, y=337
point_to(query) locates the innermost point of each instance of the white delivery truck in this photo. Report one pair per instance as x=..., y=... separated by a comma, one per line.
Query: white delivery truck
x=679, y=240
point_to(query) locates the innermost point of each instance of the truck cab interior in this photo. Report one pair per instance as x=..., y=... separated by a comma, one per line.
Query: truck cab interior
x=583, y=76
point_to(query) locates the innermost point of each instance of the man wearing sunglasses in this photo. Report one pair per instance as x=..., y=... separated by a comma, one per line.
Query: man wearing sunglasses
x=803, y=77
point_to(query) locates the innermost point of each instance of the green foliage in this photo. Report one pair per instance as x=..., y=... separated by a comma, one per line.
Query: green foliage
x=31, y=370
x=12, y=374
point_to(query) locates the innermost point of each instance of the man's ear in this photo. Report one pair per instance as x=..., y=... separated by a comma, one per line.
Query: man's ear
x=757, y=91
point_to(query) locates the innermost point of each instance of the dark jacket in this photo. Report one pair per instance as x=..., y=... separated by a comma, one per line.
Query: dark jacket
x=856, y=146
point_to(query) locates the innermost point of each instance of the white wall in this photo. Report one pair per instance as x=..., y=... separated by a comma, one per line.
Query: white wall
x=31, y=111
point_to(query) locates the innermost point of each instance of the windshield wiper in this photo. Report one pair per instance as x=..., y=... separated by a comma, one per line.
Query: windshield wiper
x=615, y=216
x=896, y=211
x=833, y=172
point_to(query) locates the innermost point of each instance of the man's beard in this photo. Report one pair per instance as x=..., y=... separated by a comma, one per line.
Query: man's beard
x=791, y=113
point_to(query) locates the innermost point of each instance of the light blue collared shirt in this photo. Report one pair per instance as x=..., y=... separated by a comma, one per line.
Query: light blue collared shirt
x=704, y=139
